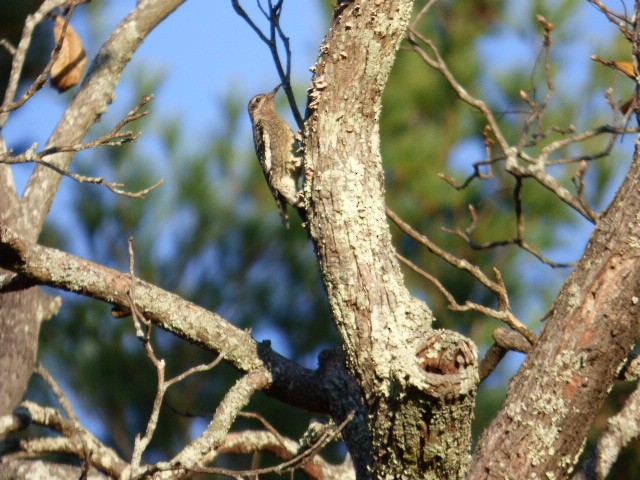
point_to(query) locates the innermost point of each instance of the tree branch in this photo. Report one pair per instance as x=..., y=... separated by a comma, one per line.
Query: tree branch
x=621, y=429
x=292, y=383
x=214, y=435
x=593, y=326
x=275, y=32
x=90, y=102
x=75, y=440
x=251, y=441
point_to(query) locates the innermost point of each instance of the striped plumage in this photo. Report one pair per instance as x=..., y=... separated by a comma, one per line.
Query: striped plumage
x=276, y=149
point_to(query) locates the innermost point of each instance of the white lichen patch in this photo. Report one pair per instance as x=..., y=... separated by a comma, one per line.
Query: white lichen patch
x=574, y=295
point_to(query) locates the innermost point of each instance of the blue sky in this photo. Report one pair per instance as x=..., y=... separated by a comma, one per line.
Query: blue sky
x=204, y=51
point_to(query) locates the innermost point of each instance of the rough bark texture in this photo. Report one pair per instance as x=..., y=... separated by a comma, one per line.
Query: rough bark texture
x=22, y=469
x=22, y=312
x=594, y=325
x=411, y=411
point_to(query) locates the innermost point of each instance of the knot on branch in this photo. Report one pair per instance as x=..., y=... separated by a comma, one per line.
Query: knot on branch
x=446, y=352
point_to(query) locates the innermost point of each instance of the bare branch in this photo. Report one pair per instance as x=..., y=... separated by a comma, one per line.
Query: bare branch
x=19, y=57
x=41, y=80
x=271, y=40
x=8, y=46
x=496, y=287
x=251, y=441
x=518, y=241
x=62, y=398
x=301, y=460
x=214, y=435
x=624, y=23
x=113, y=138
x=621, y=429
x=436, y=61
x=517, y=161
x=90, y=102
x=75, y=440
x=270, y=428
x=140, y=323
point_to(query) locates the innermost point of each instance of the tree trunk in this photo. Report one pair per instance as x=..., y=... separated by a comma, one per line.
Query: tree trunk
x=418, y=413
x=594, y=325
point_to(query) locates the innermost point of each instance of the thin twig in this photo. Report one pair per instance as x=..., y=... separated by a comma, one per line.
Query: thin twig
x=143, y=331
x=621, y=21
x=113, y=138
x=41, y=80
x=8, y=46
x=497, y=288
x=516, y=158
x=20, y=55
x=505, y=315
x=295, y=462
x=55, y=388
x=275, y=32
x=270, y=428
x=213, y=437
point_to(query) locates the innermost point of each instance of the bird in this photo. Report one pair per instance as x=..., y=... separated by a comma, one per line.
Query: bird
x=277, y=151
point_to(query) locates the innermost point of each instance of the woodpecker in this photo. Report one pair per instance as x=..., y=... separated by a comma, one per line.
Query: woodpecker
x=276, y=148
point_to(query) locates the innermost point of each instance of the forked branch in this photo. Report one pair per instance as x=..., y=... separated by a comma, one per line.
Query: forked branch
x=272, y=14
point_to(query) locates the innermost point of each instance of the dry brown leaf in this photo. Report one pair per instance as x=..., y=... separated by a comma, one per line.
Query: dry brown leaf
x=70, y=65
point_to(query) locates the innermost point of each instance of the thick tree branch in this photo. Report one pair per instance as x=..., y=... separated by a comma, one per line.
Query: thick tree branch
x=376, y=316
x=593, y=326
x=291, y=382
x=91, y=101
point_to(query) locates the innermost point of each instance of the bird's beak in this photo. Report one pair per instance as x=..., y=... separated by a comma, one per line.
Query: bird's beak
x=275, y=90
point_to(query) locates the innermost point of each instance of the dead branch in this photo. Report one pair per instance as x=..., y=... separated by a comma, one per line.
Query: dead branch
x=299, y=460
x=19, y=57
x=624, y=23
x=515, y=157
x=114, y=138
x=213, y=437
x=41, y=80
x=59, y=393
x=498, y=288
x=272, y=14
x=141, y=323
x=75, y=440
x=8, y=46
x=270, y=428
x=519, y=240
x=251, y=441
x=89, y=103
